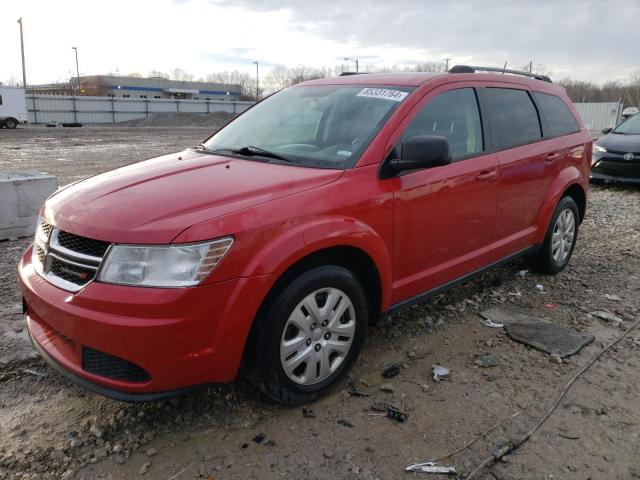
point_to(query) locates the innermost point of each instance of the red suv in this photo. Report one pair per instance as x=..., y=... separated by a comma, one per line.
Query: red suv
x=277, y=242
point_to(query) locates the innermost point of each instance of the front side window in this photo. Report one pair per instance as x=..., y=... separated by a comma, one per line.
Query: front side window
x=559, y=118
x=514, y=118
x=629, y=127
x=323, y=126
x=454, y=115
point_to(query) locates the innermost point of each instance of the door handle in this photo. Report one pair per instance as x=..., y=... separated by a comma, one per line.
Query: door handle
x=486, y=175
x=551, y=157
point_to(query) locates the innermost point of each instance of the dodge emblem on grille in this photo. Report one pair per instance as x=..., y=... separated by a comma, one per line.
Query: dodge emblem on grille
x=628, y=156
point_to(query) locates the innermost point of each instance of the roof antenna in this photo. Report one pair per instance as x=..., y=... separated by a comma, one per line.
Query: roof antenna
x=504, y=68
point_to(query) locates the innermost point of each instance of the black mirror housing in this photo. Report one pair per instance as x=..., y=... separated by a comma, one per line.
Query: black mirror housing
x=606, y=130
x=418, y=152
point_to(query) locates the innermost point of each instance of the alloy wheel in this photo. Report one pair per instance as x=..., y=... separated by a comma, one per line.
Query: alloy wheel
x=564, y=231
x=317, y=336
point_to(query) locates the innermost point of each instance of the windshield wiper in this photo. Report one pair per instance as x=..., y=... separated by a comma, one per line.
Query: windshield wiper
x=250, y=151
x=202, y=146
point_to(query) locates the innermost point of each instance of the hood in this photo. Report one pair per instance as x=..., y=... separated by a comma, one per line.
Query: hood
x=153, y=201
x=620, y=143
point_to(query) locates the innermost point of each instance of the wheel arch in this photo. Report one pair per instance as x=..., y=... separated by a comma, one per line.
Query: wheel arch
x=353, y=258
x=579, y=196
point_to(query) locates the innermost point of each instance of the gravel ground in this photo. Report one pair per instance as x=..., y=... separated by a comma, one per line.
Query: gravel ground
x=52, y=429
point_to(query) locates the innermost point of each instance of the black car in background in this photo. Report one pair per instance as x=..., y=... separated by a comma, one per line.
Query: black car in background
x=616, y=155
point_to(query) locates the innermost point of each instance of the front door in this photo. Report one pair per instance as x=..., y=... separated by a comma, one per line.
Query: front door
x=444, y=216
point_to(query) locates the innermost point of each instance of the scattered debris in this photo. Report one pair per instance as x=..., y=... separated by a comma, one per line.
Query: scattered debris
x=259, y=438
x=396, y=414
x=354, y=392
x=490, y=323
x=391, y=371
x=540, y=287
x=429, y=467
x=328, y=454
x=485, y=360
x=502, y=316
x=522, y=273
x=550, y=306
x=308, y=413
x=144, y=468
x=423, y=386
x=570, y=435
x=555, y=358
x=613, y=298
x=35, y=372
x=151, y=452
x=387, y=387
x=549, y=337
x=607, y=316
x=345, y=423
x=441, y=373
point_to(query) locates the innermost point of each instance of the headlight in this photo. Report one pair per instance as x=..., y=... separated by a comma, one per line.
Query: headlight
x=163, y=266
x=598, y=148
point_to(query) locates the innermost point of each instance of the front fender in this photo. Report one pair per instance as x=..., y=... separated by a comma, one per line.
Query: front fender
x=570, y=175
x=294, y=244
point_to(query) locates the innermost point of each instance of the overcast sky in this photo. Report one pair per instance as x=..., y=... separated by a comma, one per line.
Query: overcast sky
x=586, y=39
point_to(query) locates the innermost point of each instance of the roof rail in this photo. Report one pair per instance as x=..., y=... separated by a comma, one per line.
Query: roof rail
x=344, y=74
x=473, y=69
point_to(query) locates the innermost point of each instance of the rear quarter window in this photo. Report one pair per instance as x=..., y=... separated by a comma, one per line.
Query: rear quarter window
x=557, y=114
x=514, y=117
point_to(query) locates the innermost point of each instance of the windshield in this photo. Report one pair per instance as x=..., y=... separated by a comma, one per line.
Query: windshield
x=324, y=126
x=630, y=127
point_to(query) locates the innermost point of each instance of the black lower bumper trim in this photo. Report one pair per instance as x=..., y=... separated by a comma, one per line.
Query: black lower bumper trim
x=109, y=392
x=611, y=178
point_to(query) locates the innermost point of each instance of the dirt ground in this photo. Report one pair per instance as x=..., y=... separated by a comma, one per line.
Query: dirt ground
x=53, y=429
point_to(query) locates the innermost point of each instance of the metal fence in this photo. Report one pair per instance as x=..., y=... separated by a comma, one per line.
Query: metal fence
x=597, y=116
x=48, y=108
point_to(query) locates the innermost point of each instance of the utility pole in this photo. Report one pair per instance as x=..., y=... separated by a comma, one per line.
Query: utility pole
x=531, y=66
x=24, y=72
x=347, y=59
x=257, y=81
x=446, y=64
x=77, y=70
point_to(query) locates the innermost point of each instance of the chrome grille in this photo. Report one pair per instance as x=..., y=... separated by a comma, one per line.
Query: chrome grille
x=66, y=260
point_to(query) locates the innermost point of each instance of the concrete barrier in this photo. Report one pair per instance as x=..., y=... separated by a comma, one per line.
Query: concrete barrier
x=22, y=193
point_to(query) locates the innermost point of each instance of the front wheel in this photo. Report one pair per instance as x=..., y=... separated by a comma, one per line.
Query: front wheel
x=561, y=238
x=309, y=337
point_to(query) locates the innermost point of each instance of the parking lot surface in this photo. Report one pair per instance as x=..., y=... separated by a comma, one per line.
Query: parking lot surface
x=51, y=428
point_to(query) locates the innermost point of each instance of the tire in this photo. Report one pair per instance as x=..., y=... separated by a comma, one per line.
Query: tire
x=288, y=359
x=10, y=123
x=559, y=242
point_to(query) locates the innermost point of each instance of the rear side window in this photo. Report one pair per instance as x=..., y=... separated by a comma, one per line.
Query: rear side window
x=514, y=118
x=559, y=117
x=454, y=115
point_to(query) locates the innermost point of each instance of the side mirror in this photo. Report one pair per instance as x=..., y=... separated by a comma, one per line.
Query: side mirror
x=606, y=130
x=418, y=152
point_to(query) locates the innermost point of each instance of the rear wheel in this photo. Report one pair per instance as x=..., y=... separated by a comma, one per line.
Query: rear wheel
x=309, y=337
x=561, y=238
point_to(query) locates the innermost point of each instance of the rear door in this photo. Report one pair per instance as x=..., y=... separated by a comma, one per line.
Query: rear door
x=560, y=124
x=528, y=164
x=444, y=215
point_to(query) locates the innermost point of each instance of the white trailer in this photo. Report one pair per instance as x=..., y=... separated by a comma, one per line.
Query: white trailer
x=13, y=107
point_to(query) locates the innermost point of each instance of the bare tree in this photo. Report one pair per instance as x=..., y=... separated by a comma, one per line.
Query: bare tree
x=181, y=75
x=158, y=74
x=244, y=81
x=277, y=79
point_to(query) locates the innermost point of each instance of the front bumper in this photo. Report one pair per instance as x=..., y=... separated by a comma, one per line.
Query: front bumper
x=181, y=337
x=612, y=167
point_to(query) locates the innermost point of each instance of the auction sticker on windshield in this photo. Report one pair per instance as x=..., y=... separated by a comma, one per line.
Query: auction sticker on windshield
x=395, y=95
